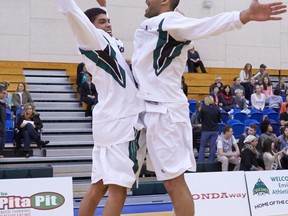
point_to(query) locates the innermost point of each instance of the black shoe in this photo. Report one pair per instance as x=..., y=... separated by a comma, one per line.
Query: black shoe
x=41, y=143
x=27, y=155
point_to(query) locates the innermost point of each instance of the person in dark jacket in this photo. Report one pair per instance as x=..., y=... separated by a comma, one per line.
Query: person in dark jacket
x=3, y=93
x=210, y=116
x=28, y=125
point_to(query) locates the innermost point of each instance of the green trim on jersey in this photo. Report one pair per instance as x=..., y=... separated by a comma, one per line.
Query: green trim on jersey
x=133, y=149
x=167, y=49
x=106, y=59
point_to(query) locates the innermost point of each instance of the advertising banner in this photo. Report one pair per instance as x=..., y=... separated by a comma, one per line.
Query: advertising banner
x=36, y=197
x=219, y=193
x=268, y=192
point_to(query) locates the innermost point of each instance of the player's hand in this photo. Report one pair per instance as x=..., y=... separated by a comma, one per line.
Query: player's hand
x=262, y=12
x=102, y=3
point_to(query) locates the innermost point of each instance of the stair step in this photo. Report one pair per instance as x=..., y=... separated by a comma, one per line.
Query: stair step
x=49, y=88
x=64, y=116
x=57, y=106
x=44, y=72
x=69, y=143
x=54, y=96
x=73, y=138
x=59, y=80
x=68, y=152
x=57, y=125
x=74, y=170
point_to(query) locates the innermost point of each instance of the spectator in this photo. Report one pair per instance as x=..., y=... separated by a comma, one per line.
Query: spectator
x=89, y=94
x=250, y=131
x=3, y=93
x=215, y=95
x=210, y=116
x=246, y=73
x=29, y=124
x=275, y=101
x=284, y=117
x=81, y=76
x=249, y=155
x=184, y=86
x=196, y=125
x=266, y=87
x=283, y=105
x=227, y=102
x=259, y=76
x=271, y=156
x=225, y=153
x=20, y=97
x=281, y=86
x=218, y=82
x=249, y=89
x=258, y=99
x=240, y=101
x=8, y=98
x=194, y=61
x=236, y=85
x=267, y=133
x=283, y=139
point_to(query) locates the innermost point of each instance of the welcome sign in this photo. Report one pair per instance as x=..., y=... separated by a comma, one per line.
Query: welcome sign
x=268, y=192
x=36, y=197
x=219, y=193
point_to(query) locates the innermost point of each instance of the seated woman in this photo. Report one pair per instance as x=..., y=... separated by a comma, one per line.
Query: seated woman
x=29, y=124
x=227, y=102
x=258, y=99
x=249, y=155
x=270, y=155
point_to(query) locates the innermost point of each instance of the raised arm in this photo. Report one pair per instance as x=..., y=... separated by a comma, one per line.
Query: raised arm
x=262, y=12
x=102, y=3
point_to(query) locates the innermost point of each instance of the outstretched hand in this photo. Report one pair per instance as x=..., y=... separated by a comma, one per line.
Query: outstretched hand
x=102, y=3
x=262, y=12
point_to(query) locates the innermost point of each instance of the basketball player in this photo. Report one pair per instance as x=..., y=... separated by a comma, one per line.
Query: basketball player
x=160, y=51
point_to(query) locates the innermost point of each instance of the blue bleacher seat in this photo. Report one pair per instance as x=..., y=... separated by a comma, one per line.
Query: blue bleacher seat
x=8, y=114
x=274, y=116
x=257, y=115
x=276, y=128
x=240, y=116
x=233, y=121
x=238, y=129
x=248, y=122
x=192, y=105
x=224, y=116
x=267, y=110
x=258, y=131
x=220, y=127
x=9, y=124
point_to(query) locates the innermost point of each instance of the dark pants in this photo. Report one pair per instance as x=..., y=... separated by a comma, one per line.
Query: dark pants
x=192, y=66
x=208, y=137
x=29, y=133
x=2, y=144
x=90, y=102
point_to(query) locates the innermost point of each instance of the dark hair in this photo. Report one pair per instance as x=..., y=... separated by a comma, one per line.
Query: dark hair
x=23, y=85
x=2, y=88
x=174, y=4
x=276, y=91
x=254, y=126
x=264, y=125
x=226, y=128
x=89, y=74
x=266, y=85
x=267, y=145
x=224, y=92
x=92, y=13
x=286, y=105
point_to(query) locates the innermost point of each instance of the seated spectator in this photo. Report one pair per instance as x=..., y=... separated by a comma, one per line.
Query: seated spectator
x=8, y=98
x=281, y=86
x=267, y=133
x=89, y=94
x=274, y=102
x=196, y=126
x=259, y=76
x=250, y=131
x=215, y=95
x=226, y=99
x=81, y=76
x=246, y=73
x=184, y=86
x=194, y=61
x=236, y=85
x=20, y=97
x=249, y=155
x=283, y=140
x=3, y=93
x=210, y=116
x=28, y=125
x=283, y=105
x=284, y=117
x=271, y=156
x=240, y=101
x=266, y=87
x=258, y=99
x=249, y=89
x=225, y=153
x=218, y=82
